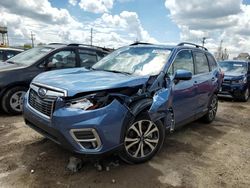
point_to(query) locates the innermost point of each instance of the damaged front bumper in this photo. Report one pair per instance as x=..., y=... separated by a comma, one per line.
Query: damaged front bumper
x=232, y=90
x=86, y=132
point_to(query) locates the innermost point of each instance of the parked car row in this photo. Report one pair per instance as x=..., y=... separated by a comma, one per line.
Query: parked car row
x=124, y=101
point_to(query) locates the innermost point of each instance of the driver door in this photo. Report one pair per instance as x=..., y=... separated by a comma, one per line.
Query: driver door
x=184, y=92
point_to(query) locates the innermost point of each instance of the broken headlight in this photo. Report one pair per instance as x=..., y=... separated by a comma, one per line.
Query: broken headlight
x=89, y=102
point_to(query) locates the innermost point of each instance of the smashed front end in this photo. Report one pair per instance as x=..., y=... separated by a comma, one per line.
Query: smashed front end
x=93, y=122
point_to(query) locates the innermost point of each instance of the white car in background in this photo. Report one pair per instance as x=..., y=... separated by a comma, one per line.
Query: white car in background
x=7, y=53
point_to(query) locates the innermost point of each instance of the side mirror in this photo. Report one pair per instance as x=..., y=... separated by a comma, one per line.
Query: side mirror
x=182, y=75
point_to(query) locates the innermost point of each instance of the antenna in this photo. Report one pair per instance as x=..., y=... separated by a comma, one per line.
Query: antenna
x=91, y=36
x=32, y=37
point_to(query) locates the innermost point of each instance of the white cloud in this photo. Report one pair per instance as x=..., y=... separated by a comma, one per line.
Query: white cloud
x=96, y=6
x=127, y=22
x=50, y=24
x=73, y=2
x=227, y=20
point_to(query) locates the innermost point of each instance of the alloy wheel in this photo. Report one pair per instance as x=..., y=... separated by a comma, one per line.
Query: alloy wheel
x=213, y=108
x=16, y=101
x=142, y=139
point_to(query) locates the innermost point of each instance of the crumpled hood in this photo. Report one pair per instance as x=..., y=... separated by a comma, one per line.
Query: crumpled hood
x=78, y=80
x=4, y=66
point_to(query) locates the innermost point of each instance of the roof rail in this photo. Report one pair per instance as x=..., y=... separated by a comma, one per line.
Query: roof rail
x=137, y=43
x=56, y=43
x=87, y=45
x=192, y=44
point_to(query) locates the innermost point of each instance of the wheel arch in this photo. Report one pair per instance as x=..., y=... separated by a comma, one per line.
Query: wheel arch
x=10, y=86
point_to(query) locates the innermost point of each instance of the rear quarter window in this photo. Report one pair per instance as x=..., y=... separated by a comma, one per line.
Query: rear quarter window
x=212, y=62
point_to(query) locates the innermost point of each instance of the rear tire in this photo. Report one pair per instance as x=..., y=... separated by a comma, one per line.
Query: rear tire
x=12, y=101
x=142, y=140
x=212, y=110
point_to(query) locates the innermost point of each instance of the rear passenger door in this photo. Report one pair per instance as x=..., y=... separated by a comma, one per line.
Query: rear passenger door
x=202, y=81
x=184, y=94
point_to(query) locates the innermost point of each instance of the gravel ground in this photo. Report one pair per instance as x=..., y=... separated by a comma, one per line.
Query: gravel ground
x=198, y=155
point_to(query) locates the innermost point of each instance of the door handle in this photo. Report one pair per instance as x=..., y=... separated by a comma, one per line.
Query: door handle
x=213, y=79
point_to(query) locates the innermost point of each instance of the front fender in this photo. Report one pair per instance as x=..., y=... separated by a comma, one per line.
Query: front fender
x=162, y=101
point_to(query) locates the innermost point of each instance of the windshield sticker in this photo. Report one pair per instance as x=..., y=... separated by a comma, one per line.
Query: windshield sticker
x=164, y=52
x=46, y=49
x=238, y=65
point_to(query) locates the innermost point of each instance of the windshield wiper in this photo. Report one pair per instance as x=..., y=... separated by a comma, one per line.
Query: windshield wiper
x=114, y=71
x=10, y=62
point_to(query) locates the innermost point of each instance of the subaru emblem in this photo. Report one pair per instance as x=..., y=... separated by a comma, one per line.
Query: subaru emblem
x=42, y=92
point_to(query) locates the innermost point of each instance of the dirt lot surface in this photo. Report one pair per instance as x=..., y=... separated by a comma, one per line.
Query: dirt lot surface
x=198, y=155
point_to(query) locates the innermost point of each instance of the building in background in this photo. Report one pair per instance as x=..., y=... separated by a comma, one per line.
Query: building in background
x=4, y=40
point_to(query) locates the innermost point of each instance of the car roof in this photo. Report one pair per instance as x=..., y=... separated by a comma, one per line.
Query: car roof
x=13, y=49
x=86, y=46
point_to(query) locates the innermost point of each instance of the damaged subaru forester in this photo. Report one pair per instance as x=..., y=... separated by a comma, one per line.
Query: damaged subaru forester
x=127, y=101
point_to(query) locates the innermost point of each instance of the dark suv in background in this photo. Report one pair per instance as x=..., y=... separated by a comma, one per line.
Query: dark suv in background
x=126, y=101
x=16, y=73
x=236, y=83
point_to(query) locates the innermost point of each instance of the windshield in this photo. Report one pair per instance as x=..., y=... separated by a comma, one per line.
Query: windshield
x=30, y=56
x=140, y=61
x=233, y=67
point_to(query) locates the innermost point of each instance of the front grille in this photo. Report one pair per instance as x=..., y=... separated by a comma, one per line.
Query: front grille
x=227, y=81
x=43, y=105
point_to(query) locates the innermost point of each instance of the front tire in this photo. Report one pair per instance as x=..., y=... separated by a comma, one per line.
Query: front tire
x=143, y=139
x=212, y=110
x=12, y=101
x=245, y=96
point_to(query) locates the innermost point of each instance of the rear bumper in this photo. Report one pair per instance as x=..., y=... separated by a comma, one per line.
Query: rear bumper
x=107, y=123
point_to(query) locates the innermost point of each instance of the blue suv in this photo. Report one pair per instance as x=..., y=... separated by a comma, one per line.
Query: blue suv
x=236, y=83
x=126, y=101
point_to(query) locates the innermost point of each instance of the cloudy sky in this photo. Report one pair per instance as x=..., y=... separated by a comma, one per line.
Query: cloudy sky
x=120, y=22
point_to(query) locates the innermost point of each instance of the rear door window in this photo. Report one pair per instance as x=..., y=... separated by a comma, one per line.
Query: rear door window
x=201, y=63
x=87, y=58
x=184, y=61
x=62, y=59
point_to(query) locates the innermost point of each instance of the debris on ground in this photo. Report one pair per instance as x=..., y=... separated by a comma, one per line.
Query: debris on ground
x=75, y=164
x=105, y=164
